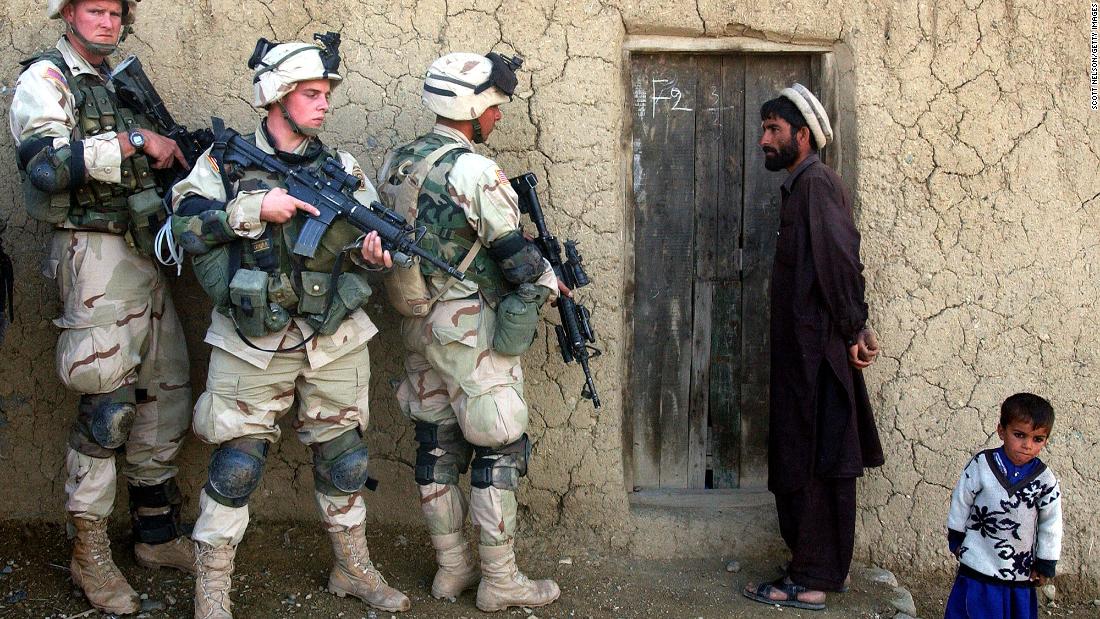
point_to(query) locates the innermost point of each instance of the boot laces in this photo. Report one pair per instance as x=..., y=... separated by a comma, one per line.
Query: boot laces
x=212, y=587
x=100, y=545
x=360, y=558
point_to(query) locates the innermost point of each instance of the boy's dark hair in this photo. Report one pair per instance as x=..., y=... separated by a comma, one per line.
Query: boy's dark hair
x=782, y=107
x=1027, y=407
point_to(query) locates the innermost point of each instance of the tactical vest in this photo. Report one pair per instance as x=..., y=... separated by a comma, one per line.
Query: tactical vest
x=448, y=235
x=293, y=281
x=94, y=205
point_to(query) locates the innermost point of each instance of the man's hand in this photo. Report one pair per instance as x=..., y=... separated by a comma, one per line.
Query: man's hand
x=373, y=253
x=279, y=206
x=162, y=152
x=864, y=352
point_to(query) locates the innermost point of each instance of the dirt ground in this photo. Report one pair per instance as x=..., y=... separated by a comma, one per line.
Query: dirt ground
x=282, y=569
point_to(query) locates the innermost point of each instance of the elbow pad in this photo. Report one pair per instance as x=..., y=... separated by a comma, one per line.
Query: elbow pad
x=519, y=260
x=57, y=170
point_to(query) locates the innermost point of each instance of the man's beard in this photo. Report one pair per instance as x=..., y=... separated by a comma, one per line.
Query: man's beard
x=784, y=157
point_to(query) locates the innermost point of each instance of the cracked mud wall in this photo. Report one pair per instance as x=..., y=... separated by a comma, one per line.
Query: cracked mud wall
x=977, y=197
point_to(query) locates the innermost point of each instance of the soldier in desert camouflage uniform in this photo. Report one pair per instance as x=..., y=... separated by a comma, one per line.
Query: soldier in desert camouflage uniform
x=281, y=341
x=465, y=396
x=85, y=160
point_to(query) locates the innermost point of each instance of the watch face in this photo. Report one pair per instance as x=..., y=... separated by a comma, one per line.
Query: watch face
x=137, y=140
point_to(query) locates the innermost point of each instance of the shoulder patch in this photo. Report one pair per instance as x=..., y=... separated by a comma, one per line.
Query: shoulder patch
x=213, y=164
x=52, y=74
x=501, y=177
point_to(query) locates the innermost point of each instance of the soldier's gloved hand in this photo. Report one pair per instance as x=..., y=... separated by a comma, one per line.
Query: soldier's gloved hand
x=162, y=151
x=373, y=253
x=279, y=206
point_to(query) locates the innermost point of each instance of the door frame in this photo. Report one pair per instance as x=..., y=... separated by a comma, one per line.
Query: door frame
x=831, y=65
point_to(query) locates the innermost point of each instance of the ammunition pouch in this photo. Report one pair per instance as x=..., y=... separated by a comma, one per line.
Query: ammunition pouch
x=352, y=291
x=518, y=319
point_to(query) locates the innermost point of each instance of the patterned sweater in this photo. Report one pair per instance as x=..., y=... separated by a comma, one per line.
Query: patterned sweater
x=1007, y=525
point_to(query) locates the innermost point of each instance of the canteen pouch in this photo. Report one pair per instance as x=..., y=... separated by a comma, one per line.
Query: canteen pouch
x=248, y=296
x=212, y=271
x=147, y=215
x=352, y=291
x=517, y=319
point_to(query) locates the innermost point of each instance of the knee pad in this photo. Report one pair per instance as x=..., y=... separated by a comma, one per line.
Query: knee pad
x=448, y=466
x=105, y=420
x=236, y=467
x=340, y=465
x=501, y=467
x=155, y=512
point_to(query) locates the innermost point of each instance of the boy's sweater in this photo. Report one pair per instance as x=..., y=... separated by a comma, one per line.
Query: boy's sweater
x=1007, y=525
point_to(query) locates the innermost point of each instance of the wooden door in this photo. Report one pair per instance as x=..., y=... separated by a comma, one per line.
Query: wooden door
x=705, y=219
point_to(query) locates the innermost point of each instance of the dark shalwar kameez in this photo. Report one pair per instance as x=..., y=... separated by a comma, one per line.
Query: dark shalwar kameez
x=822, y=431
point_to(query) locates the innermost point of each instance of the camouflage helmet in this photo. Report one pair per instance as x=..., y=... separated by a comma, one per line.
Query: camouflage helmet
x=279, y=67
x=461, y=85
x=129, y=9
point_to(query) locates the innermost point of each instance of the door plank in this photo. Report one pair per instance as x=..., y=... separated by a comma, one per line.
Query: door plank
x=664, y=158
x=708, y=138
x=725, y=360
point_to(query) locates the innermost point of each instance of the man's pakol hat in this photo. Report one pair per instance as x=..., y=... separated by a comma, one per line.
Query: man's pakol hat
x=812, y=111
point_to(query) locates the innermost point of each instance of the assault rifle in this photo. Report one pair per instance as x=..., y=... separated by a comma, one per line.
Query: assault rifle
x=575, y=331
x=330, y=190
x=136, y=91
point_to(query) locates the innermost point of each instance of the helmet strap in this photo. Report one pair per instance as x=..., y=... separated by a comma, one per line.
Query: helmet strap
x=308, y=132
x=99, y=49
x=478, y=137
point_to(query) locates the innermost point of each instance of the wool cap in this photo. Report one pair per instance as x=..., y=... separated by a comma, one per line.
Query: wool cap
x=812, y=111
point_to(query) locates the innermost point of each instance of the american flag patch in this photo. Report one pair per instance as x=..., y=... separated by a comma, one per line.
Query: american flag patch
x=213, y=164
x=55, y=75
x=501, y=177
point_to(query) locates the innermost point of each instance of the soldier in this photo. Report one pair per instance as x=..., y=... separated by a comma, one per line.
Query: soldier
x=288, y=333
x=463, y=392
x=85, y=162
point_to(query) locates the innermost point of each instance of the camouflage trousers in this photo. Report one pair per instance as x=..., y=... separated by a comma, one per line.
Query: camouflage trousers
x=452, y=375
x=242, y=400
x=119, y=329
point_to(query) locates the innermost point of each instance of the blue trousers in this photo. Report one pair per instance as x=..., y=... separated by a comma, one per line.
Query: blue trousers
x=974, y=599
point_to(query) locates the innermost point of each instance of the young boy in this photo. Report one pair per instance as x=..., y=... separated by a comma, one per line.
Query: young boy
x=1005, y=520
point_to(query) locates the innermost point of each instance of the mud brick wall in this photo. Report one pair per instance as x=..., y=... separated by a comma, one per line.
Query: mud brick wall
x=978, y=198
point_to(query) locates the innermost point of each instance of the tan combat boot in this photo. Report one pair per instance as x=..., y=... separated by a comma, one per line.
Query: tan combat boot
x=354, y=574
x=213, y=578
x=95, y=572
x=457, y=571
x=503, y=585
x=177, y=554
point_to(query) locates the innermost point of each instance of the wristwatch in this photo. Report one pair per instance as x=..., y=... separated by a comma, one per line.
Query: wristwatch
x=137, y=140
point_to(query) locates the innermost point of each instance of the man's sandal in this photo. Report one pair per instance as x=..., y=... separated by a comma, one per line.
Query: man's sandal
x=844, y=588
x=762, y=593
